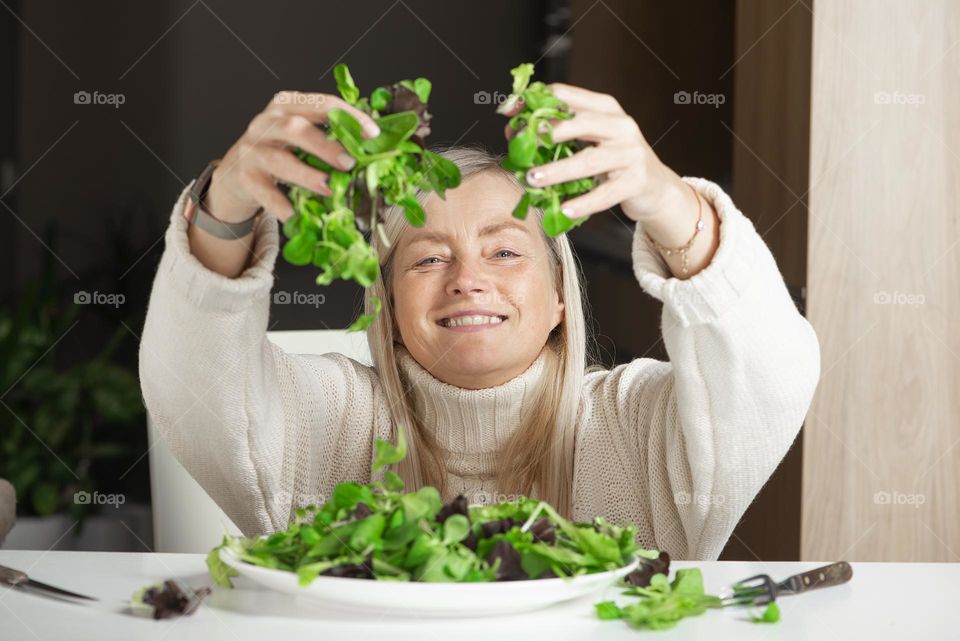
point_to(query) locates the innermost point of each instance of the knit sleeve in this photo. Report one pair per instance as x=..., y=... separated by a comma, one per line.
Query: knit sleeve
x=261, y=430
x=708, y=428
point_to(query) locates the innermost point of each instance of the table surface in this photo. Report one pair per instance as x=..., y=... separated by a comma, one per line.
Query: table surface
x=914, y=601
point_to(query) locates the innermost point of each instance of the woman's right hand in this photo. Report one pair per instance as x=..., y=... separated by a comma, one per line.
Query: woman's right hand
x=247, y=176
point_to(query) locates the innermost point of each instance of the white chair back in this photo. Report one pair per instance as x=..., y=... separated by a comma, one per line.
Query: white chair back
x=185, y=518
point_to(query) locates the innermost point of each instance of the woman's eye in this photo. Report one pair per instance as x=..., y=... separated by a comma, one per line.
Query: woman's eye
x=436, y=259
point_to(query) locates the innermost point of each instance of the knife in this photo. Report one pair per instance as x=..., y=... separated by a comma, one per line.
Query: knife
x=18, y=579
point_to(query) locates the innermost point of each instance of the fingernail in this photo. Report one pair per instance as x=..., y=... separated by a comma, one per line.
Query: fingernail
x=568, y=212
x=373, y=130
x=534, y=176
x=346, y=160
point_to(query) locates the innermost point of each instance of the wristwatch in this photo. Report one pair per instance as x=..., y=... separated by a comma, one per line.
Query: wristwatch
x=207, y=221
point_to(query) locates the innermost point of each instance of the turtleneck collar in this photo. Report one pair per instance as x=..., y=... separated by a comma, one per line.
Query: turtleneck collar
x=471, y=425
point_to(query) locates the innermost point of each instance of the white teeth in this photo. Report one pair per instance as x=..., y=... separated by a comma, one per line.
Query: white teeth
x=471, y=320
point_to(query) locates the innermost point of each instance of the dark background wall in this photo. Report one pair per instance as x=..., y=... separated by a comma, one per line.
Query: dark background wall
x=192, y=76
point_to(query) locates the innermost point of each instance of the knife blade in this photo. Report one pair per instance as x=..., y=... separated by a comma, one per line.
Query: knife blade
x=18, y=579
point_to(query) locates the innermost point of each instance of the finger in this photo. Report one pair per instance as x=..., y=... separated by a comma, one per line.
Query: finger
x=316, y=106
x=586, y=163
x=263, y=189
x=299, y=131
x=583, y=99
x=608, y=194
x=594, y=126
x=515, y=109
x=283, y=165
x=510, y=132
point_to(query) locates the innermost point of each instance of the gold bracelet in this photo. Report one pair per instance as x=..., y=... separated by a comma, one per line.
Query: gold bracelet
x=682, y=250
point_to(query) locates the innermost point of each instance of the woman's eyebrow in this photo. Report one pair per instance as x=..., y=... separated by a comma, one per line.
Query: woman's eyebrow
x=488, y=230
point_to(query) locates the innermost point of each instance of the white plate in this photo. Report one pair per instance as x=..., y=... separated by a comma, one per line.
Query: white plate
x=411, y=598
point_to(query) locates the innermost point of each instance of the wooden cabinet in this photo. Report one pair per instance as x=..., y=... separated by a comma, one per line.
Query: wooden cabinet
x=881, y=466
x=840, y=139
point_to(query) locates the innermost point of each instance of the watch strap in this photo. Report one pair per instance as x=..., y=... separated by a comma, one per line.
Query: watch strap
x=207, y=221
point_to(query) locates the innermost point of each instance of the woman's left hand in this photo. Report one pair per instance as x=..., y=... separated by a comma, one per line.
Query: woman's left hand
x=631, y=174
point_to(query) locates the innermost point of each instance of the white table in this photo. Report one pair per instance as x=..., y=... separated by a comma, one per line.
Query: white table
x=903, y=601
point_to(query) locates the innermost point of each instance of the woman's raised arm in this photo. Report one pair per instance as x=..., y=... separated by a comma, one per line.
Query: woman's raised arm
x=255, y=426
x=702, y=433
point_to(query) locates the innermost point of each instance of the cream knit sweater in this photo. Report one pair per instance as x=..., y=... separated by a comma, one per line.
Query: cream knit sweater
x=680, y=448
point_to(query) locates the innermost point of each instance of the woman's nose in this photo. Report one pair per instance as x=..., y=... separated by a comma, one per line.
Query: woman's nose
x=467, y=277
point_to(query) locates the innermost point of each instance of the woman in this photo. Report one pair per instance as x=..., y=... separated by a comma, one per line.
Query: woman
x=503, y=403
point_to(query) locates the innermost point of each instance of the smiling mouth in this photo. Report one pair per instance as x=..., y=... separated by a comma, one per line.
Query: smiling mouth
x=469, y=321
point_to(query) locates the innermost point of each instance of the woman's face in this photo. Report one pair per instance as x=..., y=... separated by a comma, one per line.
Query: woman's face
x=473, y=256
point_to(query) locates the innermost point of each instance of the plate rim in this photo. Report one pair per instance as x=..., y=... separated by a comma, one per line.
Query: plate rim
x=234, y=561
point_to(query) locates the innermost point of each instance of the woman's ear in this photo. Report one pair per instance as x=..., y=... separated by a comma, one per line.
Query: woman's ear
x=395, y=329
x=558, y=312
x=397, y=337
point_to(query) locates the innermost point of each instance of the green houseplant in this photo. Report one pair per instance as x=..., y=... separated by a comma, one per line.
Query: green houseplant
x=57, y=420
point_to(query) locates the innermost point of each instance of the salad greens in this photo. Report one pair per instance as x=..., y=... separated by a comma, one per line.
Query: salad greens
x=328, y=231
x=167, y=599
x=770, y=614
x=533, y=145
x=663, y=602
x=378, y=531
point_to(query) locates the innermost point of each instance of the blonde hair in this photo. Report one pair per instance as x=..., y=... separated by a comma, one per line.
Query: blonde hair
x=538, y=459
